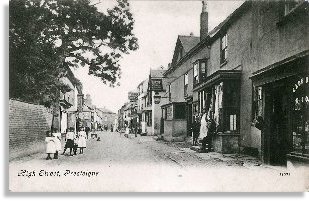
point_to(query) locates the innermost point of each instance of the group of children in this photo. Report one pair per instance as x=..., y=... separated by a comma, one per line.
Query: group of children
x=73, y=142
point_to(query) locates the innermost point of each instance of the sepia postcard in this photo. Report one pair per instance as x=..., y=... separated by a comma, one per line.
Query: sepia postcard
x=158, y=96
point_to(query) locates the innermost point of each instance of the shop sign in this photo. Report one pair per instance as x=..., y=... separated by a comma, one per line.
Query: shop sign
x=133, y=96
x=156, y=85
x=300, y=83
x=302, y=96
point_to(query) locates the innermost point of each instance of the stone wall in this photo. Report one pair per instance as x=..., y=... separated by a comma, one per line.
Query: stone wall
x=28, y=124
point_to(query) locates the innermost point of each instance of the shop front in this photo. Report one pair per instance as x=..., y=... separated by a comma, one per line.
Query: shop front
x=284, y=106
x=175, y=121
x=220, y=96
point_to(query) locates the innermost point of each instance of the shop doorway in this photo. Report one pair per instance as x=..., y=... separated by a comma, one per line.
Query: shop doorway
x=277, y=112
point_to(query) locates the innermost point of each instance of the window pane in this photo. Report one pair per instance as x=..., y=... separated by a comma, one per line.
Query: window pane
x=186, y=79
x=180, y=111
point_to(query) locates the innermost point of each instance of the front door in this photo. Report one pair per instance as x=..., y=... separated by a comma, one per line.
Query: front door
x=277, y=111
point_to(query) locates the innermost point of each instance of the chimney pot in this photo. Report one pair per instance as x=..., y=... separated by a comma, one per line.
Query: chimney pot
x=204, y=21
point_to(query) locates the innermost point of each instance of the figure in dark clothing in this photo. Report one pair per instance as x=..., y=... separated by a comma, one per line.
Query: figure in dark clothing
x=87, y=130
x=196, y=130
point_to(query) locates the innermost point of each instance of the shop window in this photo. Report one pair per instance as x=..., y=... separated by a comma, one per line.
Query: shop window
x=186, y=82
x=300, y=118
x=224, y=46
x=180, y=111
x=233, y=121
x=225, y=105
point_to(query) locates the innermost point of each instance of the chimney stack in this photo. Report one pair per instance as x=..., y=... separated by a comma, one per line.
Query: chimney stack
x=204, y=21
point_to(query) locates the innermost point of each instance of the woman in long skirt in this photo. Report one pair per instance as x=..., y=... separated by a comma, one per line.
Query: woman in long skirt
x=82, y=140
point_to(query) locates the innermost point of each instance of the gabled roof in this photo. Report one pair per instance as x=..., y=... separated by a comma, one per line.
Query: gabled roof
x=188, y=42
x=212, y=35
x=156, y=73
x=185, y=43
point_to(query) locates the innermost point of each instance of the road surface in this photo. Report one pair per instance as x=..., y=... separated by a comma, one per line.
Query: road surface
x=117, y=163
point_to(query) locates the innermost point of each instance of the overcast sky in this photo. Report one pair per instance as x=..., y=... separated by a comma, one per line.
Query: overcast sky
x=157, y=25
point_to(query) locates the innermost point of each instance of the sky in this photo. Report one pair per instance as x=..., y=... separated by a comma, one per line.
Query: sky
x=157, y=25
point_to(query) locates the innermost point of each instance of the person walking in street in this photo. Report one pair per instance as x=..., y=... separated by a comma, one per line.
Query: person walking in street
x=204, y=130
x=50, y=145
x=87, y=129
x=212, y=127
x=81, y=140
x=69, y=141
x=57, y=137
x=196, y=130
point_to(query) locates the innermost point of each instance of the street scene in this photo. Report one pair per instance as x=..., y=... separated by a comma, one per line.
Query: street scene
x=125, y=159
x=145, y=96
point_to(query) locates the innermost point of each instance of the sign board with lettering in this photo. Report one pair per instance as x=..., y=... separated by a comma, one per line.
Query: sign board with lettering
x=133, y=96
x=156, y=85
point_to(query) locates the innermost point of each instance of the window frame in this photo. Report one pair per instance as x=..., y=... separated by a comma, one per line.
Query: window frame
x=186, y=84
x=223, y=48
x=196, y=72
x=198, y=75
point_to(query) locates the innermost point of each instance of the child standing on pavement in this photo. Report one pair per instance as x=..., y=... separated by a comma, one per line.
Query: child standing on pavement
x=82, y=140
x=50, y=145
x=70, y=141
x=57, y=137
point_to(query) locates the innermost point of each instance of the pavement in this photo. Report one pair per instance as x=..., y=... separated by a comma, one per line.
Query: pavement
x=129, y=164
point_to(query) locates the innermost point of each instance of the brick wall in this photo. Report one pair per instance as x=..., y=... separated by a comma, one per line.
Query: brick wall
x=27, y=126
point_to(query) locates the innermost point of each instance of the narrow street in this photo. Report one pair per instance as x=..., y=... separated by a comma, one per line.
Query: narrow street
x=133, y=164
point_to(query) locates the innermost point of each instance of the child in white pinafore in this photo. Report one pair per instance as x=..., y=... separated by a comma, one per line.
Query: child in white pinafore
x=57, y=137
x=82, y=140
x=50, y=145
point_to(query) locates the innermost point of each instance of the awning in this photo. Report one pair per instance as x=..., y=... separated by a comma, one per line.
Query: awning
x=219, y=76
x=280, y=70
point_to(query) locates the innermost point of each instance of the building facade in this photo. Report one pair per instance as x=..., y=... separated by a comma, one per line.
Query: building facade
x=253, y=65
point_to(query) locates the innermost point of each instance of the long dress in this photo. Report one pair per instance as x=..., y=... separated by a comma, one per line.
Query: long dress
x=70, y=138
x=203, y=128
x=50, y=145
x=82, y=139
